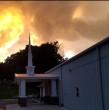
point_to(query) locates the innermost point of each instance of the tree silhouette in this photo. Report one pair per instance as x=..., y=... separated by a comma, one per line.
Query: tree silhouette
x=45, y=57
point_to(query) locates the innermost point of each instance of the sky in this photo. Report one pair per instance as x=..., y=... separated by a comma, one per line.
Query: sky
x=76, y=25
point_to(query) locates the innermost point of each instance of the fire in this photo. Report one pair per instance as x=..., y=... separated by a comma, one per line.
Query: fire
x=11, y=27
x=68, y=54
x=35, y=39
x=13, y=24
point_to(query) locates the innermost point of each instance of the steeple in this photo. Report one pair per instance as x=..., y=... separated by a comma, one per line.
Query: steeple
x=30, y=67
x=30, y=63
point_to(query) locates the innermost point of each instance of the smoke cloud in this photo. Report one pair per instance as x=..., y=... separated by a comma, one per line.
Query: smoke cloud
x=70, y=22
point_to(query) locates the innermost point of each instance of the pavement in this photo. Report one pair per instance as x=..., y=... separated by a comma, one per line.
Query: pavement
x=34, y=107
x=12, y=104
x=4, y=102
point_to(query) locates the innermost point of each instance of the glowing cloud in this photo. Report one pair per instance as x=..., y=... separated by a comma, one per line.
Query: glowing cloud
x=77, y=13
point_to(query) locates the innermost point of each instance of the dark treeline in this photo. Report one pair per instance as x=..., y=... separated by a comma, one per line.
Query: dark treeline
x=45, y=57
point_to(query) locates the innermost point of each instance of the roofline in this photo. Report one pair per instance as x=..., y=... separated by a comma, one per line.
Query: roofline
x=35, y=76
x=81, y=53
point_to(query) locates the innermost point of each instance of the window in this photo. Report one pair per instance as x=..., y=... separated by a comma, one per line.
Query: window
x=77, y=92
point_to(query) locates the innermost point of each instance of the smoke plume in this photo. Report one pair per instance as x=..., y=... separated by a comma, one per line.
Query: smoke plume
x=75, y=24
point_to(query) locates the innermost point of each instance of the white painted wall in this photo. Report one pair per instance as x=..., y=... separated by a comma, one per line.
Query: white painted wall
x=57, y=71
x=90, y=75
x=82, y=73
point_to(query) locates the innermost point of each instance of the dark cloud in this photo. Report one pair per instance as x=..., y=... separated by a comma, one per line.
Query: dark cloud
x=93, y=30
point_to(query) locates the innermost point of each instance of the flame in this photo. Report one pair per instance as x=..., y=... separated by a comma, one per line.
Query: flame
x=35, y=39
x=11, y=27
x=68, y=54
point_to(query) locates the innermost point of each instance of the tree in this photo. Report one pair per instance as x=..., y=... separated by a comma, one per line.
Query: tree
x=45, y=57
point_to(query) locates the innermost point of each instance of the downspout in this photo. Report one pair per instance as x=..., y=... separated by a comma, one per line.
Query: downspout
x=101, y=78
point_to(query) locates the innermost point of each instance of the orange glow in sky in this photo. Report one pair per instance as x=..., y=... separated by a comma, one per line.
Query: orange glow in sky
x=34, y=38
x=12, y=26
x=70, y=23
x=77, y=13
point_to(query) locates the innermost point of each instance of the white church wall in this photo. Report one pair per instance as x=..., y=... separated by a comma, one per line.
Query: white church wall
x=82, y=75
x=104, y=55
x=88, y=74
x=57, y=71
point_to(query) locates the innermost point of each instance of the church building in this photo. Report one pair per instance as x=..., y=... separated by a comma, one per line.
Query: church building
x=80, y=83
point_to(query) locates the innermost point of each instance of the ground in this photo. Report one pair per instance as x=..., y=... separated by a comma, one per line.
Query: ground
x=35, y=107
x=11, y=104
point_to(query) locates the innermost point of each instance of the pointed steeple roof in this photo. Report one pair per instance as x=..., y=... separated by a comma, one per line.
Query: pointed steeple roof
x=30, y=63
x=30, y=67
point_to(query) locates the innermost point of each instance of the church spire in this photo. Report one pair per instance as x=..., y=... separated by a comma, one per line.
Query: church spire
x=30, y=63
x=30, y=67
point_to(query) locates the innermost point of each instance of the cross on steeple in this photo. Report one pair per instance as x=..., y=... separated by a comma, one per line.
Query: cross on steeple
x=30, y=67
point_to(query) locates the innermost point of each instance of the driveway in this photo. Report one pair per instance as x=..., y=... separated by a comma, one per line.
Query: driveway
x=34, y=107
x=11, y=104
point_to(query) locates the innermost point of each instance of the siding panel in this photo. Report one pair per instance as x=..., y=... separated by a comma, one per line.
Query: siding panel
x=82, y=73
x=104, y=53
